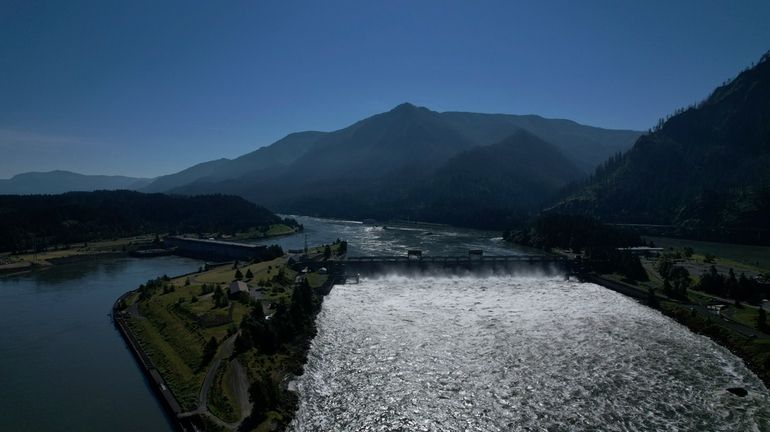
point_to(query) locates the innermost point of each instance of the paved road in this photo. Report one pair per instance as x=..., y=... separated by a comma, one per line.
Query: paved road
x=224, y=352
x=239, y=384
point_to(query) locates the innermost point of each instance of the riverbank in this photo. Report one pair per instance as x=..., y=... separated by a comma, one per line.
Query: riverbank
x=169, y=402
x=750, y=344
x=12, y=264
x=22, y=263
x=198, y=340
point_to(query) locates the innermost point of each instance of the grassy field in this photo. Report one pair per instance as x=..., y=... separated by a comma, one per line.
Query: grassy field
x=90, y=248
x=174, y=321
x=750, y=257
x=273, y=231
x=221, y=400
x=171, y=328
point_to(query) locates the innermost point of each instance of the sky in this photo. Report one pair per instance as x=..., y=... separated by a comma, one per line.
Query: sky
x=145, y=88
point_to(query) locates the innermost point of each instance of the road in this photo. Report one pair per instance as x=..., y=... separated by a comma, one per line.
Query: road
x=239, y=383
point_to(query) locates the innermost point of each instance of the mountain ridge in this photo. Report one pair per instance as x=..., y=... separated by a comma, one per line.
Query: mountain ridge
x=668, y=176
x=60, y=181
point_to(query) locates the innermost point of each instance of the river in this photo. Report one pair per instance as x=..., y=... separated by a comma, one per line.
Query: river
x=514, y=353
x=395, y=239
x=63, y=365
x=393, y=354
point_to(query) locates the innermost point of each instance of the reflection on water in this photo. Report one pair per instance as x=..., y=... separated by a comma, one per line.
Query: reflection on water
x=500, y=354
x=395, y=239
x=63, y=365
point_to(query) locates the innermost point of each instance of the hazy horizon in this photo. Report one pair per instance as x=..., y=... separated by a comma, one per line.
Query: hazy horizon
x=144, y=90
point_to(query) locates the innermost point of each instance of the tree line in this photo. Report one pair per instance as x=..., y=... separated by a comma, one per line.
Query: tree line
x=37, y=222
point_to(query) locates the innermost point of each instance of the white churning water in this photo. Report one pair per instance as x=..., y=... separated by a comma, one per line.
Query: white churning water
x=501, y=354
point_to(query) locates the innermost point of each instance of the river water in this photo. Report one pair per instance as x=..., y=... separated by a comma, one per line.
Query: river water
x=396, y=239
x=514, y=353
x=391, y=354
x=63, y=365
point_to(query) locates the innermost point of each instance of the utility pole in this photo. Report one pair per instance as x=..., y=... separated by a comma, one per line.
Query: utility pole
x=305, y=243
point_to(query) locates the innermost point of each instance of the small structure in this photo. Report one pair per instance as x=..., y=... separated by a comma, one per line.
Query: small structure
x=238, y=287
x=642, y=250
x=214, y=249
x=322, y=270
x=414, y=254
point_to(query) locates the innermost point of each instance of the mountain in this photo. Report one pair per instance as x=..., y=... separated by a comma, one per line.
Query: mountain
x=55, y=182
x=586, y=146
x=280, y=153
x=377, y=167
x=489, y=185
x=705, y=167
x=484, y=186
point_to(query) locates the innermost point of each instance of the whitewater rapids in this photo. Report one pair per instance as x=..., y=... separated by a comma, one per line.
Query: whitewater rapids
x=513, y=353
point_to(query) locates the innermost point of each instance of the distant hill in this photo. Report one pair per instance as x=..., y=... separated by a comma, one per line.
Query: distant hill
x=55, y=182
x=375, y=167
x=705, y=167
x=585, y=146
x=389, y=164
x=27, y=220
x=487, y=186
x=279, y=154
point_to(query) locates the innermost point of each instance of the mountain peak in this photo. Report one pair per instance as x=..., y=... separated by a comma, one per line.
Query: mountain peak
x=407, y=107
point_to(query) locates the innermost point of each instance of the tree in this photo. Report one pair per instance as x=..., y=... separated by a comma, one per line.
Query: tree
x=249, y=274
x=210, y=350
x=664, y=267
x=238, y=275
x=652, y=300
x=220, y=298
x=667, y=289
x=327, y=252
x=762, y=319
x=681, y=279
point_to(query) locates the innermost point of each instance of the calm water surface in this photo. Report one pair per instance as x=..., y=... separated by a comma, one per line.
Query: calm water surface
x=63, y=365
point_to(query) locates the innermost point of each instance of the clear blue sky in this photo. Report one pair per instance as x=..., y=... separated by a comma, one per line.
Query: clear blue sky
x=148, y=88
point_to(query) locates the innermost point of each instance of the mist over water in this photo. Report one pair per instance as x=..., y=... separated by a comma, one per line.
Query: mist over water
x=514, y=353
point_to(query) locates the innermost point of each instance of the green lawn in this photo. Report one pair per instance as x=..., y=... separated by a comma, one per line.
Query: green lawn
x=221, y=400
x=757, y=257
x=280, y=229
x=173, y=330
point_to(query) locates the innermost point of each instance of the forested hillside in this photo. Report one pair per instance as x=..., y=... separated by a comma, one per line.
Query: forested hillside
x=706, y=168
x=35, y=221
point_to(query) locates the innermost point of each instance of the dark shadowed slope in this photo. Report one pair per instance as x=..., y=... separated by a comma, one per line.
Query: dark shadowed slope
x=28, y=221
x=486, y=186
x=406, y=140
x=707, y=166
x=586, y=146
